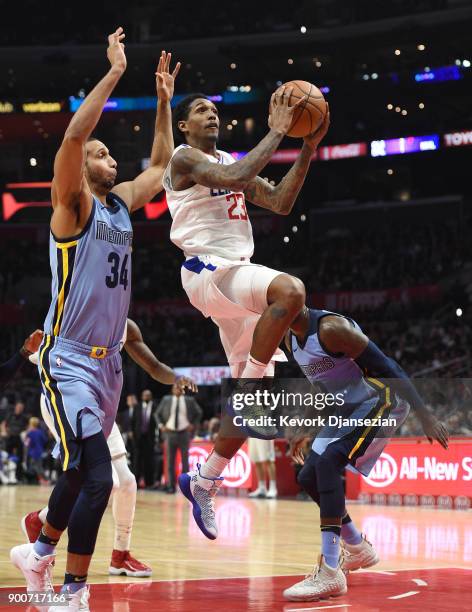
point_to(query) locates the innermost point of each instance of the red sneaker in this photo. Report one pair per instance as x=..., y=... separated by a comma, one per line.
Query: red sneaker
x=122, y=563
x=31, y=526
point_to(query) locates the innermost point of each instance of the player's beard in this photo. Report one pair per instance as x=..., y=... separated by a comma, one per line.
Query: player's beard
x=101, y=184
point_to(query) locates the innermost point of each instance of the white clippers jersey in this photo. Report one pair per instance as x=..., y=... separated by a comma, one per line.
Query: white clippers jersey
x=209, y=221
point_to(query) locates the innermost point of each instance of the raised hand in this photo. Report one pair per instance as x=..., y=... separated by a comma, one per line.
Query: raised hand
x=164, y=79
x=313, y=140
x=184, y=382
x=435, y=430
x=280, y=113
x=116, y=50
x=297, y=445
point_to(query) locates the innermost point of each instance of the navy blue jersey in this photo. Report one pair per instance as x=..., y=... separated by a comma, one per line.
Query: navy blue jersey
x=91, y=277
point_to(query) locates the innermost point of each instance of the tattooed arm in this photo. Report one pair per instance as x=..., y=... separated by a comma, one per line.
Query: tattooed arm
x=281, y=198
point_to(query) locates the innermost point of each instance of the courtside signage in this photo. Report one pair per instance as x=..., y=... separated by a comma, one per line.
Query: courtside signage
x=422, y=469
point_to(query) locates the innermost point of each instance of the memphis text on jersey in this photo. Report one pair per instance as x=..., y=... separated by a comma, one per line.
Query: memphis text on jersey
x=107, y=233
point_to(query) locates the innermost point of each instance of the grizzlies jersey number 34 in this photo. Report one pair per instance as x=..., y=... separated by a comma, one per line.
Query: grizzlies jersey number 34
x=91, y=277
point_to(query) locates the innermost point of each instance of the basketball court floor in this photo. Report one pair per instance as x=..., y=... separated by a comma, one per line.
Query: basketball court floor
x=263, y=547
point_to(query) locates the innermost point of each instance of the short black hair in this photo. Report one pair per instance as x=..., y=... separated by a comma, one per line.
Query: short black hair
x=181, y=112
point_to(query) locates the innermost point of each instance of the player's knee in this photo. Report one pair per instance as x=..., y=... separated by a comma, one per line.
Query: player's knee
x=294, y=293
x=328, y=472
x=127, y=484
x=98, y=486
x=288, y=291
x=307, y=477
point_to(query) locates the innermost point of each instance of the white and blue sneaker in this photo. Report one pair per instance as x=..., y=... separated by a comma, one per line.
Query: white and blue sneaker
x=200, y=492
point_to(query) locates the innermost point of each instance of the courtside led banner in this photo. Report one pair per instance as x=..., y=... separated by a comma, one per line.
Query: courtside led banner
x=288, y=156
x=408, y=144
x=416, y=467
x=205, y=375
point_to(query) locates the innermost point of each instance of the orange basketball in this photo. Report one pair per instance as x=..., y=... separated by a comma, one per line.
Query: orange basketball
x=309, y=116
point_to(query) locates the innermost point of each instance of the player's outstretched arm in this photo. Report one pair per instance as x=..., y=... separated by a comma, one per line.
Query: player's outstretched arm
x=11, y=367
x=338, y=335
x=69, y=188
x=281, y=198
x=145, y=186
x=141, y=354
x=194, y=164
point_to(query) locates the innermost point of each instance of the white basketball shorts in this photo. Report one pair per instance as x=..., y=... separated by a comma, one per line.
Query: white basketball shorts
x=234, y=295
x=261, y=450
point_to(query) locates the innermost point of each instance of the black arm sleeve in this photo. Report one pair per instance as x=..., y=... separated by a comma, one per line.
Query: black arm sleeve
x=373, y=359
x=10, y=368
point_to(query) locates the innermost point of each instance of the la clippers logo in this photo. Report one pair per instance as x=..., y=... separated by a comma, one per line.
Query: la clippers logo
x=383, y=473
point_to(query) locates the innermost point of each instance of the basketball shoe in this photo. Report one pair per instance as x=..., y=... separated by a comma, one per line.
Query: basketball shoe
x=31, y=525
x=77, y=602
x=37, y=570
x=123, y=564
x=200, y=492
x=323, y=582
x=356, y=556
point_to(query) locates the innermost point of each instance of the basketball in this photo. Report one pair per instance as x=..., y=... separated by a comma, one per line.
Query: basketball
x=308, y=118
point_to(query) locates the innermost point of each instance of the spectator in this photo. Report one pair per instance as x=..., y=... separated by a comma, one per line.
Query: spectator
x=178, y=416
x=125, y=422
x=16, y=424
x=36, y=440
x=144, y=435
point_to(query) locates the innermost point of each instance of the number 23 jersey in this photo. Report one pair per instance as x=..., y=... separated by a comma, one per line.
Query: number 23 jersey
x=91, y=277
x=208, y=221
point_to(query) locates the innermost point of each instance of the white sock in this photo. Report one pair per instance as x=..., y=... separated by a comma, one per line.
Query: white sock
x=43, y=514
x=214, y=466
x=124, y=504
x=254, y=368
x=272, y=485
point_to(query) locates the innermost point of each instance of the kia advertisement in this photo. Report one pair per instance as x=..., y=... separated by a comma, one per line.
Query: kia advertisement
x=415, y=467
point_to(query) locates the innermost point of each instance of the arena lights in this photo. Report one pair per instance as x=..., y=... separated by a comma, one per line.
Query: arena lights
x=390, y=171
x=390, y=106
x=458, y=312
x=286, y=239
x=409, y=144
x=303, y=29
x=303, y=218
x=397, y=52
x=466, y=63
x=33, y=161
x=290, y=61
x=438, y=75
x=421, y=105
x=233, y=66
x=421, y=47
x=294, y=229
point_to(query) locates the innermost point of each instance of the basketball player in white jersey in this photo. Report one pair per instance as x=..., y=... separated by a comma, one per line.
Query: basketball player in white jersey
x=252, y=305
x=124, y=482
